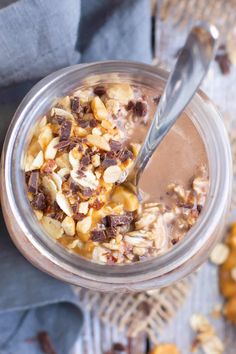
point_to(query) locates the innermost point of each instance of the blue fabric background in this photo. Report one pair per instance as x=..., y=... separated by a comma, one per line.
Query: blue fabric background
x=36, y=38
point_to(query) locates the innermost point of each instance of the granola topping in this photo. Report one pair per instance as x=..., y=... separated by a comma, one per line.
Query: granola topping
x=73, y=163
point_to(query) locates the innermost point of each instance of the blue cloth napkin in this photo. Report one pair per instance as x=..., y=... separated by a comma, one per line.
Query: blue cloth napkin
x=36, y=38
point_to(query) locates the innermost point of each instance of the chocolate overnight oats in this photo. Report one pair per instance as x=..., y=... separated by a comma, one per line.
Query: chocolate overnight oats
x=76, y=157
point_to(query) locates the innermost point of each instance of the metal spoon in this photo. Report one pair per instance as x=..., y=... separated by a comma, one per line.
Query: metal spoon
x=190, y=69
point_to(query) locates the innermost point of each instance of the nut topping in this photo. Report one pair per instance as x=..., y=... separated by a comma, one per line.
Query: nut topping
x=73, y=164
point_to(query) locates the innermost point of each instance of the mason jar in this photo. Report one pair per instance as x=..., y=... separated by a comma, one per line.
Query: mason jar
x=51, y=257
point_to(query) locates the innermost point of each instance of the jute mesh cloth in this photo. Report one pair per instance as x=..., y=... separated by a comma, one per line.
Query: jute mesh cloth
x=146, y=312
x=149, y=312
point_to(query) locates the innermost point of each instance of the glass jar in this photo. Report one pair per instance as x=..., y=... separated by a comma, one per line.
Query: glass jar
x=52, y=258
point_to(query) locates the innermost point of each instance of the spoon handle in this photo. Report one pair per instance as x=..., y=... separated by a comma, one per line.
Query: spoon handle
x=190, y=68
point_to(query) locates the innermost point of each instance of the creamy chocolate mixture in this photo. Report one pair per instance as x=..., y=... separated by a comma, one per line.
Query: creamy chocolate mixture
x=76, y=157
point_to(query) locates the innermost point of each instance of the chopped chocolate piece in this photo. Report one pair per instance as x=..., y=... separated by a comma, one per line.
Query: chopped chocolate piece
x=45, y=343
x=174, y=241
x=39, y=202
x=118, y=220
x=119, y=347
x=157, y=99
x=83, y=123
x=140, y=109
x=57, y=215
x=73, y=143
x=115, y=145
x=86, y=192
x=199, y=208
x=223, y=60
x=130, y=105
x=48, y=167
x=80, y=174
x=93, y=123
x=86, y=108
x=99, y=90
x=107, y=162
x=136, y=258
x=62, y=145
x=111, y=232
x=74, y=187
x=75, y=104
x=78, y=216
x=27, y=176
x=85, y=161
x=125, y=154
x=224, y=63
x=65, y=130
x=110, y=154
x=67, y=176
x=33, y=182
x=98, y=235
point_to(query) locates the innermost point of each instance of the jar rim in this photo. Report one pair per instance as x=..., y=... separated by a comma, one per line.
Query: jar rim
x=86, y=271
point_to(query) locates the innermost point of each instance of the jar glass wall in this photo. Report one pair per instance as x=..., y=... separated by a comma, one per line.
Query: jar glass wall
x=52, y=258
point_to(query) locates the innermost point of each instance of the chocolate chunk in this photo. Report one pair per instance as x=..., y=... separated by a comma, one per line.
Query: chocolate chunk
x=75, y=104
x=111, y=232
x=199, y=208
x=130, y=105
x=33, y=182
x=78, y=216
x=80, y=174
x=83, y=123
x=98, y=235
x=107, y=162
x=118, y=220
x=224, y=63
x=119, y=347
x=27, y=176
x=86, y=192
x=45, y=343
x=140, y=109
x=99, y=90
x=85, y=160
x=39, y=202
x=74, y=187
x=174, y=241
x=62, y=145
x=65, y=130
x=66, y=177
x=86, y=108
x=93, y=123
x=156, y=99
x=115, y=145
x=125, y=154
x=223, y=60
x=110, y=155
